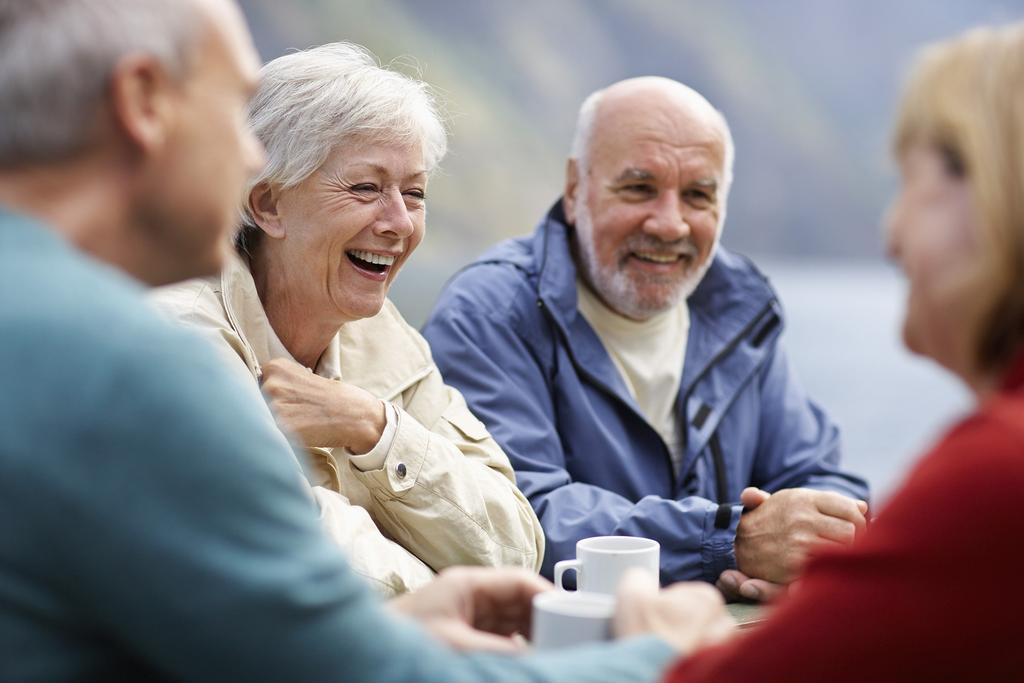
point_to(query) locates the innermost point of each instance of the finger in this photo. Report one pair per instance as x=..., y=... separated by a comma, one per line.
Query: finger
x=761, y=590
x=822, y=544
x=694, y=593
x=729, y=583
x=752, y=496
x=464, y=637
x=835, y=529
x=505, y=627
x=504, y=620
x=271, y=369
x=862, y=505
x=719, y=630
x=495, y=593
x=635, y=592
x=636, y=584
x=836, y=505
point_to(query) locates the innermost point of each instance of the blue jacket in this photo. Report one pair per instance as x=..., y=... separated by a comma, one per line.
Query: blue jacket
x=507, y=333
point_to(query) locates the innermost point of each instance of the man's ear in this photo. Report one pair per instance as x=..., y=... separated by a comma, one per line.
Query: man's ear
x=262, y=202
x=143, y=102
x=569, y=198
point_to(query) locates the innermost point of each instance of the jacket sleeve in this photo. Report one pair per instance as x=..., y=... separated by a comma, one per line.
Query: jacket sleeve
x=798, y=445
x=388, y=567
x=504, y=375
x=446, y=489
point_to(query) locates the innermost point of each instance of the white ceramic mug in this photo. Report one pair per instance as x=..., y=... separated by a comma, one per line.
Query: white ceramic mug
x=562, y=619
x=601, y=562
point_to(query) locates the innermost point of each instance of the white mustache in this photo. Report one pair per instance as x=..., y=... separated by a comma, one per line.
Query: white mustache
x=683, y=247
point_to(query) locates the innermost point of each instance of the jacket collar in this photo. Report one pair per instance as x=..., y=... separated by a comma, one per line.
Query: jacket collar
x=381, y=354
x=246, y=315
x=731, y=298
x=557, y=291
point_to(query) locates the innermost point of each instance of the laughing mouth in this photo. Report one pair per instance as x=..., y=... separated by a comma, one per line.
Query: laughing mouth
x=367, y=260
x=655, y=257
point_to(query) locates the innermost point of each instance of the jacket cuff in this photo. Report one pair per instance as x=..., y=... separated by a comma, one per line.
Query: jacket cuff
x=375, y=457
x=404, y=462
x=718, y=551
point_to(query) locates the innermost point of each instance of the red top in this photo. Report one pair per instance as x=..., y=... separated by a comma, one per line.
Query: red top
x=933, y=592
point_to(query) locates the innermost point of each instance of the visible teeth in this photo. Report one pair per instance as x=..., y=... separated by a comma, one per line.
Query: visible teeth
x=657, y=258
x=370, y=257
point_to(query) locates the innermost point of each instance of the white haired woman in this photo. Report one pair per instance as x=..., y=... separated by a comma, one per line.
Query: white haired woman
x=408, y=480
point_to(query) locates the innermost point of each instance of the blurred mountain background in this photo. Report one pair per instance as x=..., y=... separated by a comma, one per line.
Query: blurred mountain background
x=809, y=88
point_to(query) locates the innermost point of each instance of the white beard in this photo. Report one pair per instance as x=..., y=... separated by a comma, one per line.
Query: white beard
x=616, y=288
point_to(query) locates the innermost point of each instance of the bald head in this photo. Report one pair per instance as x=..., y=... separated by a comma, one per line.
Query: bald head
x=645, y=103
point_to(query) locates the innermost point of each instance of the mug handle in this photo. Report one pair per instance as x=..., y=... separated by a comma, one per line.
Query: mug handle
x=562, y=567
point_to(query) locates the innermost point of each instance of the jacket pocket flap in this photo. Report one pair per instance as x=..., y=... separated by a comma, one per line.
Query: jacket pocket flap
x=465, y=422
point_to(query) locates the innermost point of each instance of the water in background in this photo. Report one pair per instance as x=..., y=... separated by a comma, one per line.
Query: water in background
x=843, y=334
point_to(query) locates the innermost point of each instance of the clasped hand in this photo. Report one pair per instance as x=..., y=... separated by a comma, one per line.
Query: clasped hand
x=780, y=531
x=320, y=411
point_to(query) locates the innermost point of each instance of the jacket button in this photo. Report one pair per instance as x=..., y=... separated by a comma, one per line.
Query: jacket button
x=400, y=470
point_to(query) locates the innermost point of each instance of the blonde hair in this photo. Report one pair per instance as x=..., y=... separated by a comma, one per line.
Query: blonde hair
x=965, y=98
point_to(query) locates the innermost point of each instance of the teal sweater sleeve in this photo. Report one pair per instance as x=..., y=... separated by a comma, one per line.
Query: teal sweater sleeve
x=161, y=515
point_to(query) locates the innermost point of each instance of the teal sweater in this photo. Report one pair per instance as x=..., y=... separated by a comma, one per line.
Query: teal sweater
x=153, y=523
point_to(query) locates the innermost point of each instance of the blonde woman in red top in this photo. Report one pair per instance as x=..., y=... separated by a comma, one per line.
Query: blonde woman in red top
x=930, y=592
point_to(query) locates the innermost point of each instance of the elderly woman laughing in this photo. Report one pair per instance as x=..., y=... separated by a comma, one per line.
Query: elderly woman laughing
x=408, y=481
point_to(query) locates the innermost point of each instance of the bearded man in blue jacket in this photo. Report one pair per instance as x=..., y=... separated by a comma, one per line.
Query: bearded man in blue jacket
x=632, y=369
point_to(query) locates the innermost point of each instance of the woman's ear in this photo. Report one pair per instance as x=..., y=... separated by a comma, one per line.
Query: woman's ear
x=263, y=203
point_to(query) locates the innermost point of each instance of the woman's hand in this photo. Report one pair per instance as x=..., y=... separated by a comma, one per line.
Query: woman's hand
x=323, y=412
x=685, y=615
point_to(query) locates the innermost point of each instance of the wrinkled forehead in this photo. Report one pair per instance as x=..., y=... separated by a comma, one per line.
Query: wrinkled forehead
x=658, y=146
x=681, y=132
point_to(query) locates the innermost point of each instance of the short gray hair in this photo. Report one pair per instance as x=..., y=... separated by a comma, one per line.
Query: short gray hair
x=312, y=101
x=58, y=57
x=582, y=139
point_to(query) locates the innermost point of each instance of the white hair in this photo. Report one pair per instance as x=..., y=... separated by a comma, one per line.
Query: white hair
x=313, y=101
x=58, y=57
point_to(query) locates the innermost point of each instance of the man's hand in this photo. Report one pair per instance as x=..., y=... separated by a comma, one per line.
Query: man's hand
x=774, y=539
x=323, y=412
x=685, y=615
x=735, y=586
x=475, y=608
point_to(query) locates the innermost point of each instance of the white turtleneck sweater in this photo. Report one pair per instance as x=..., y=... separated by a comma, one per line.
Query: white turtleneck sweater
x=649, y=356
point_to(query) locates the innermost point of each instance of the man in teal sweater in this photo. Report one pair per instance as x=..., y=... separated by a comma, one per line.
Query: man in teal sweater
x=155, y=524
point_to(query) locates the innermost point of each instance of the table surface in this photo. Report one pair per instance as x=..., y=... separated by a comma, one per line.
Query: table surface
x=746, y=614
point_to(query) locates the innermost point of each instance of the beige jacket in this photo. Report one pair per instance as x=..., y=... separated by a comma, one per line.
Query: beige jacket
x=446, y=494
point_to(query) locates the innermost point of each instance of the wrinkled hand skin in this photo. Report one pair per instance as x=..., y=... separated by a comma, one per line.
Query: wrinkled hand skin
x=778, y=533
x=687, y=616
x=320, y=411
x=737, y=586
x=476, y=608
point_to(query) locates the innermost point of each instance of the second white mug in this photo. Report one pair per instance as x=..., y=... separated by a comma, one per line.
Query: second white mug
x=562, y=619
x=601, y=562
